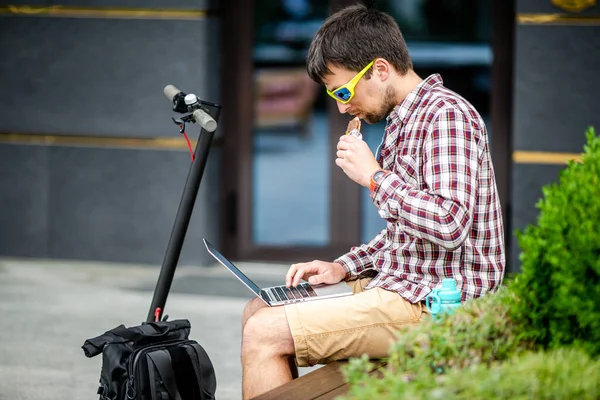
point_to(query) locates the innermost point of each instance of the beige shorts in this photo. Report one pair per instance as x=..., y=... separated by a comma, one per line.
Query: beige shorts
x=365, y=323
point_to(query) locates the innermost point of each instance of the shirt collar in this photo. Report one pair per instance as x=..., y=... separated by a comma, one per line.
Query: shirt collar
x=403, y=110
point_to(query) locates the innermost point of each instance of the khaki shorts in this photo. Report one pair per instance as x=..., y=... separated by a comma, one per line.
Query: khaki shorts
x=335, y=329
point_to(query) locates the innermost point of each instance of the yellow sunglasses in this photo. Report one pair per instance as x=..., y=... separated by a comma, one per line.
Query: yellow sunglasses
x=345, y=93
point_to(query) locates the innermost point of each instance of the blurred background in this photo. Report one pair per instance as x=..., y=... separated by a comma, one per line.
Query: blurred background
x=92, y=166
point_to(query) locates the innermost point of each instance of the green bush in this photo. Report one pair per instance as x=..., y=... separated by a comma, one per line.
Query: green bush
x=478, y=333
x=558, y=290
x=560, y=374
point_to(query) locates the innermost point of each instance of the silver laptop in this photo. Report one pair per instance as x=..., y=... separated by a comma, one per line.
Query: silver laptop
x=280, y=295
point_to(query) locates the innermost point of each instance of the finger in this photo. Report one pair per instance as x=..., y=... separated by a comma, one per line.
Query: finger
x=349, y=139
x=299, y=274
x=290, y=275
x=304, y=272
x=343, y=145
x=341, y=153
x=348, y=146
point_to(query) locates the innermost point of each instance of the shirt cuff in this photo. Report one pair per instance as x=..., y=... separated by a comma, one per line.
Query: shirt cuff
x=350, y=263
x=389, y=185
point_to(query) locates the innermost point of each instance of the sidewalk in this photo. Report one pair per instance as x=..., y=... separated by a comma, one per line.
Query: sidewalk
x=49, y=308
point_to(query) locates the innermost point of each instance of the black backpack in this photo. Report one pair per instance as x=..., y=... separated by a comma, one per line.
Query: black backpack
x=153, y=361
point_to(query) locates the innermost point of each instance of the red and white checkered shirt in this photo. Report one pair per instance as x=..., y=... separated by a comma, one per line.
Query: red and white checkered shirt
x=439, y=199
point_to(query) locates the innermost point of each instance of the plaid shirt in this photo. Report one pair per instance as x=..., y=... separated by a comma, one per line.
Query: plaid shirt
x=439, y=199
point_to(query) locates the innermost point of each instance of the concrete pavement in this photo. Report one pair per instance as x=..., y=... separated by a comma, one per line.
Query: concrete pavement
x=49, y=308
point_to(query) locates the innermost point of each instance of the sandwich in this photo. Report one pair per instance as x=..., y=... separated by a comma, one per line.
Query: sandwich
x=354, y=128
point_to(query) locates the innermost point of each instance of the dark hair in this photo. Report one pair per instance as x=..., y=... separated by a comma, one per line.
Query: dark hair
x=353, y=37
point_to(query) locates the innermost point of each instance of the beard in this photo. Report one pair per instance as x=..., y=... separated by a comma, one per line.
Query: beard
x=385, y=108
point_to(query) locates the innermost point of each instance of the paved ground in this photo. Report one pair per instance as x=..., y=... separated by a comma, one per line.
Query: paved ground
x=49, y=308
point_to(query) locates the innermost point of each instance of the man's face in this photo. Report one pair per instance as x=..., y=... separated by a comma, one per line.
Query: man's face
x=373, y=99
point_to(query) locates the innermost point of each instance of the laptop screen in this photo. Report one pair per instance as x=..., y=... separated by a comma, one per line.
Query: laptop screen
x=229, y=265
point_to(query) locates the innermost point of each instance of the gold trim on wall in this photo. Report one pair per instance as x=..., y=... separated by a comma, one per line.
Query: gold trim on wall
x=558, y=19
x=544, y=157
x=158, y=143
x=179, y=143
x=574, y=5
x=103, y=12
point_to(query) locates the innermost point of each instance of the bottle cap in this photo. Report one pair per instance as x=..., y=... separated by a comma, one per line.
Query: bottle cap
x=449, y=293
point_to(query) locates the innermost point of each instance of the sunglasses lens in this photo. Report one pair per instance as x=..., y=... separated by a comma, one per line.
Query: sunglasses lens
x=343, y=94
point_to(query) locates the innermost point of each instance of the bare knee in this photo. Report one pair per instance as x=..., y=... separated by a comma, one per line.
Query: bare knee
x=252, y=307
x=266, y=334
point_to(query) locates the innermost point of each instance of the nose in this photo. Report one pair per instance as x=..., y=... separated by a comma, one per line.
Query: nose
x=343, y=107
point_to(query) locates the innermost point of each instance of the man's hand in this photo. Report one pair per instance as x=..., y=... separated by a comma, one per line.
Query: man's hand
x=356, y=159
x=315, y=272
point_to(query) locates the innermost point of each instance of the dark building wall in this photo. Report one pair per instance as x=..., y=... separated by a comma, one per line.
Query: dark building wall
x=102, y=77
x=66, y=79
x=556, y=97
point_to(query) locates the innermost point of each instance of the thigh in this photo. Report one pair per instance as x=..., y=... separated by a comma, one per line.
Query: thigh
x=334, y=329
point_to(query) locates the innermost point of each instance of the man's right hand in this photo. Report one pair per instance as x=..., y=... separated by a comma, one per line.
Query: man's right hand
x=315, y=272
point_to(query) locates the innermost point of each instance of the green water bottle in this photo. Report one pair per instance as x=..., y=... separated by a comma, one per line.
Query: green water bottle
x=444, y=299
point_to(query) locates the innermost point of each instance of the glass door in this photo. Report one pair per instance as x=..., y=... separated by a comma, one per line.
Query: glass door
x=290, y=137
x=285, y=199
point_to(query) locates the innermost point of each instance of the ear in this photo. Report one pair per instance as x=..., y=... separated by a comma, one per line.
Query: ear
x=382, y=69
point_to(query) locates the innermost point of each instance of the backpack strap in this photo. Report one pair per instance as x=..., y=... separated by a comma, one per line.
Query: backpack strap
x=194, y=360
x=161, y=359
x=203, y=372
x=153, y=389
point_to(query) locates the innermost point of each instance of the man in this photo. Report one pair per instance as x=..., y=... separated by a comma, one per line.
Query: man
x=432, y=181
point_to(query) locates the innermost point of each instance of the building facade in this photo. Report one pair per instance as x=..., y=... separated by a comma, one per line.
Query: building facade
x=93, y=167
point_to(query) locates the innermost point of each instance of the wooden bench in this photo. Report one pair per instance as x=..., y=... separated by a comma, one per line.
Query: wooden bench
x=324, y=383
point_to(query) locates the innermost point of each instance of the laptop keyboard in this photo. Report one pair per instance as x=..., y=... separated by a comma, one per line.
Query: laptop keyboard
x=282, y=293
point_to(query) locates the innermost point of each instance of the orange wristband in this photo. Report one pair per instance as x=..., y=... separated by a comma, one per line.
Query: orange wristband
x=373, y=183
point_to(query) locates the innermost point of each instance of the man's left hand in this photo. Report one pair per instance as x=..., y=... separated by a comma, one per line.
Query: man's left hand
x=356, y=159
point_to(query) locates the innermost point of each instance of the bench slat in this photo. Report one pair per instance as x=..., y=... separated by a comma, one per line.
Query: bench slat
x=311, y=385
x=342, y=390
x=324, y=383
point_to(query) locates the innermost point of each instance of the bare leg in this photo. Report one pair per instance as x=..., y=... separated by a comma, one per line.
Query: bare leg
x=267, y=347
x=252, y=307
